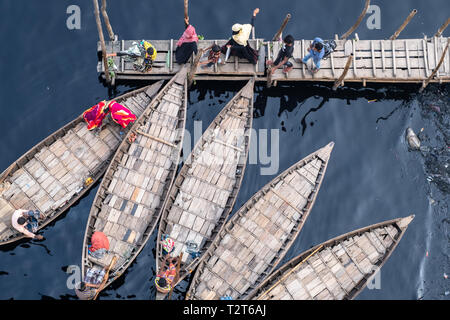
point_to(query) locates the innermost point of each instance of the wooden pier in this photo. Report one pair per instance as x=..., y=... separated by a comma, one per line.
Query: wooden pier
x=384, y=61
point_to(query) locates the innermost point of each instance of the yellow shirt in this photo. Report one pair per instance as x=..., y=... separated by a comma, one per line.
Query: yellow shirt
x=149, y=45
x=243, y=35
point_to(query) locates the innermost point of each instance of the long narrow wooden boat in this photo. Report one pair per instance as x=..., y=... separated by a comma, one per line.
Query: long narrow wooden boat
x=260, y=233
x=128, y=203
x=55, y=173
x=206, y=188
x=338, y=269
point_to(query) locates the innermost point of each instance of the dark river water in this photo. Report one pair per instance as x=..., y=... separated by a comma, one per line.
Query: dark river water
x=48, y=77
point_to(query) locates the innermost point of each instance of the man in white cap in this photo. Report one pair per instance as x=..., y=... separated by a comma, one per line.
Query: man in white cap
x=238, y=44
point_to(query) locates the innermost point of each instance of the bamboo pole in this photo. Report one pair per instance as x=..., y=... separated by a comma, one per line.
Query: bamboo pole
x=186, y=14
x=269, y=77
x=283, y=25
x=344, y=73
x=400, y=29
x=287, y=274
x=107, y=23
x=194, y=67
x=102, y=40
x=426, y=82
x=361, y=16
x=442, y=28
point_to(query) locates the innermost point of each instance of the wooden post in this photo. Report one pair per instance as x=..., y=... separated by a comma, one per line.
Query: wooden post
x=283, y=25
x=107, y=23
x=361, y=16
x=344, y=73
x=408, y=19
x=194, y=67
x=435, y=69
x=186, y=15
x=102, y=40
x=442, y=28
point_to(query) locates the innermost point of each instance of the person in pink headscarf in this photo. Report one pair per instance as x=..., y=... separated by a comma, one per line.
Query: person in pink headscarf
x=186, y=45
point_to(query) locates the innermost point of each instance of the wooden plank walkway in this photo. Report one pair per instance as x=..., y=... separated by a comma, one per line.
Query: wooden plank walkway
x=400, y=60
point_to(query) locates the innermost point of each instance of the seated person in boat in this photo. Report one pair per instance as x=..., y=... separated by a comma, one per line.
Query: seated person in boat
x=99, y=245
x=94, y=116
x=187, y=44
x=120, y=114
x=26, y=222
x=166, y=275
x=143, y=55
x=238, y=44
x=284, y=55
x=316, y=52
x=213, y=56
x=92, y=281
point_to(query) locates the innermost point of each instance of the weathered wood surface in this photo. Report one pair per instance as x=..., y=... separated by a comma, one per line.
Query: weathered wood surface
x=260, y=233
x=337, y=269
x=205, y=190
x=374, y=61
x=51, y=176
x=129, y=200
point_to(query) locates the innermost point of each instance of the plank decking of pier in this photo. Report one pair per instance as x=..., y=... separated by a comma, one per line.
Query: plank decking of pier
x=400, y=60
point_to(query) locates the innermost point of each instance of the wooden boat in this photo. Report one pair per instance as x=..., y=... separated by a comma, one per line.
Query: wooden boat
x=338, y=269
x=60, y=169
x=128, y=203
x=260, y=233
x=206, y=188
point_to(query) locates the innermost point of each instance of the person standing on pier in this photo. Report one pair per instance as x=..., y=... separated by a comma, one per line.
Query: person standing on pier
x=238, y=44
x=187, y=44
x=316, y=51
x=284, y=55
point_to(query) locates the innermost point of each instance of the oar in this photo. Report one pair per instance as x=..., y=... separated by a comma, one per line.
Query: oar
x=177, y=276
x=105, y=279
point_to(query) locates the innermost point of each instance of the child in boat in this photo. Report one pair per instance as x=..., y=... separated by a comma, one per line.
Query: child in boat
x=284, y=55
x=238, y=44
x=26, y=222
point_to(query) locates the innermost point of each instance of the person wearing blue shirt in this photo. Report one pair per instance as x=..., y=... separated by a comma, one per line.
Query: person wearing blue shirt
x=316, y=51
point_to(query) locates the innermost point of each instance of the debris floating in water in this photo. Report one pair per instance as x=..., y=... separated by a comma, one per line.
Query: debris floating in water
x=436, y=108
x=445, y=276
x=370, y=101
x=412, y=139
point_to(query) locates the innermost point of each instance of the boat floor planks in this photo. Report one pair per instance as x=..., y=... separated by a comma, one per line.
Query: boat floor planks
x=205, y=190
x=338, y=269
x=260, y=233
x=128, y=203
x=51, y=176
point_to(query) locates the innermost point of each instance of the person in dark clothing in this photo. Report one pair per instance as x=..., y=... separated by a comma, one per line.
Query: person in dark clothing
x=284, y=55
x=186, y=45
x=238, y=44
